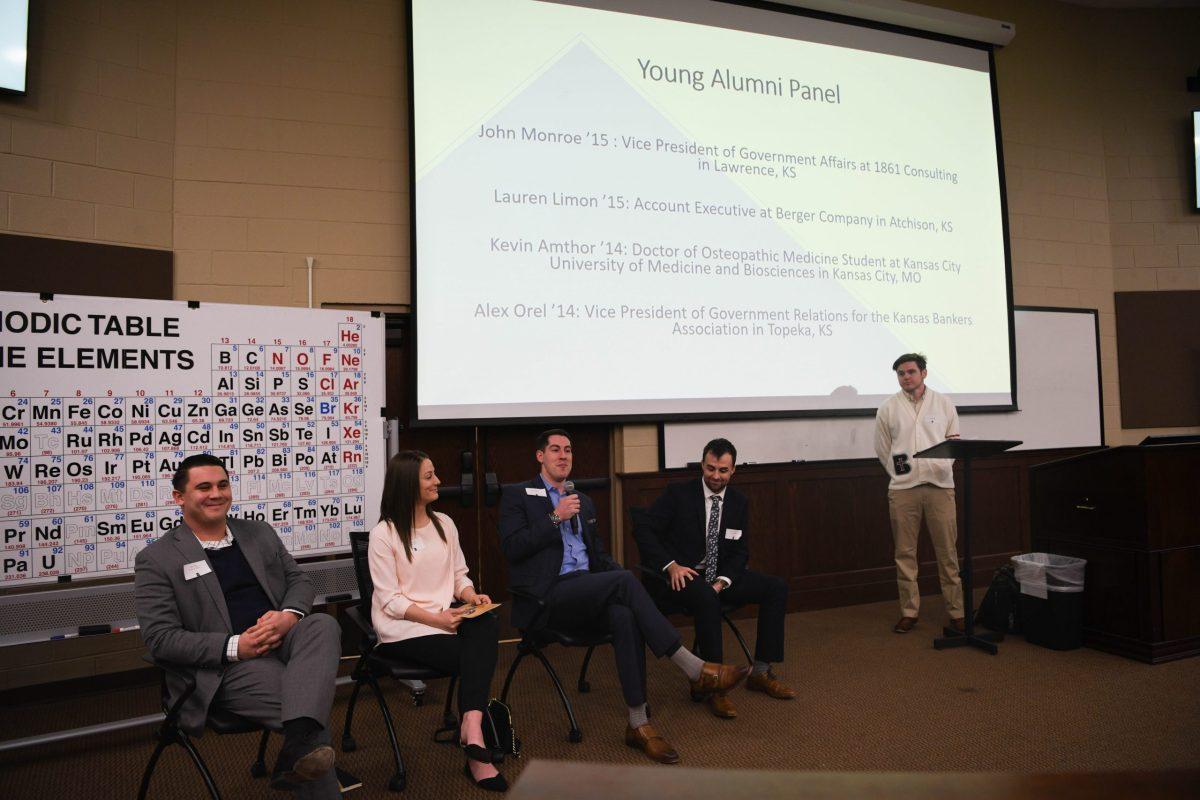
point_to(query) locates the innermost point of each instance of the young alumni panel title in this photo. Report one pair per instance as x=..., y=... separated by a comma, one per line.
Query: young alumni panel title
x=725, y=79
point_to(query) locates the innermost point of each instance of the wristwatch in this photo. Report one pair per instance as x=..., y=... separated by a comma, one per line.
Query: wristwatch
x=555, y=519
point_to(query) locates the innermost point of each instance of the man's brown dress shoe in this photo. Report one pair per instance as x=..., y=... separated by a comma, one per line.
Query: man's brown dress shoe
x=769, y=685
x=905, y=625
x=959, y=624
x=720, y=705
x=646, y=739
x=718, y=678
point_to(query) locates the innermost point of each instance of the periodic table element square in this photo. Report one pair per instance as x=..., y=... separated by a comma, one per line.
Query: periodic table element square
x=306, y=512
x=225, y=384
x=45, y=470
x=279, y=459
x=252, y=357
x=306, y=537
x=303, y=359
x=16, y=565
x=304, y=433
x=278, y=409
x=15, y=501
x=140, y=466
x=79, y=411
x=350, y=406
x=197, y=438
x=46, y=412
x=47, y=562
x=304, y=484
x=353, y=456
x=165, y=490
x=324, y=360
x=277, y=384
x=16, y=534
x=78, y=439
x=167, y=520
x=79, y=497
x=142, y=411
x=112, y=496
x=48, y=531
x=169, y=410
x=329, y=457
x=329, y=509
x=166, y=462
x=226, y=435
x=304, y=458
x=278, y=359
x=328, y=433
x=354, y=512
x=111, y=439
x=279, y=486
x=16, y=471
x=112, y=556
x=79, y=529
x=350, y=384
x=143, y=524
x=253, y=486
x=14, y=412
x=352, y=432
x=81, y=558
x=250, y=511
x=143, y=494
x=141, y=437
x=168, y=436
x=46, y=441
x=280, y=514
x=304, y=383
x=79, y=468
x=329, y=482
x=327, y=408
x=225, y=357
x=112, y=526
x=354, y=481
x=251, y=409
x=48, y=499
x=225, y=409
x=14, y=442
x=330, y=534
x=111, y=411
x=198, y=409
x=250, y=384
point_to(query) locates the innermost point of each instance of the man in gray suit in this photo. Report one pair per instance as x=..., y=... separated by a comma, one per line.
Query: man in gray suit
x=224, y=598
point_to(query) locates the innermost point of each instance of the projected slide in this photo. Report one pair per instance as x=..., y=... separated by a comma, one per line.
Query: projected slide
x=625, y=215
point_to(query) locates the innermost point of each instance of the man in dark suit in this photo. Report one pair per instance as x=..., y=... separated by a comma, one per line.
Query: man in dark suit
x=548, y=534
x=696, y=533
x=224, y=599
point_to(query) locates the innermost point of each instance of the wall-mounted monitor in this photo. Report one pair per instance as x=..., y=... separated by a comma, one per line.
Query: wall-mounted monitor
x=14, y=39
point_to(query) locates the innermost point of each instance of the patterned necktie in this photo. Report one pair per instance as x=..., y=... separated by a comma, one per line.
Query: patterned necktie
x=711, y=540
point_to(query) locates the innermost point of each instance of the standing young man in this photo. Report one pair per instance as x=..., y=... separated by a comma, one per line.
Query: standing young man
x=913, y=419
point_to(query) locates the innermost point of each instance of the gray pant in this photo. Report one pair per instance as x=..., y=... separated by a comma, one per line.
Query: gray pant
x=294, y=680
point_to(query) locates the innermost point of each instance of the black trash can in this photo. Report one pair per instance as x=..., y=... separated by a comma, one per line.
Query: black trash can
x=1051, y=599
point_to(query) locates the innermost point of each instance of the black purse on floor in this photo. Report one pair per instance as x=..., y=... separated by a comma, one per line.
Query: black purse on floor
x=498, y=733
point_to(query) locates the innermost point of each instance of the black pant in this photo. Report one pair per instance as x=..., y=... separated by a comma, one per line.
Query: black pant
x=698, y=599
x=615, y=602
x=470, y=654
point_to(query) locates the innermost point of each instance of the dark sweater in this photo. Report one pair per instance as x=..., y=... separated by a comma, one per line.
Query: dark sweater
x=244, y=596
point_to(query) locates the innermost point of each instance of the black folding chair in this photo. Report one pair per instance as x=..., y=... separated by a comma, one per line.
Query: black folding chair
x=371, y=666
x=665, y=604
x=535, y=638
x=219, y=721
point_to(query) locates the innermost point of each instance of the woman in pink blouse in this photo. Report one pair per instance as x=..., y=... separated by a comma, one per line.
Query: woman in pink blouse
x=418, y=570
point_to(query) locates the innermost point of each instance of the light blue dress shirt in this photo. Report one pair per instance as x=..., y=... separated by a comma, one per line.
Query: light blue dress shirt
x=575, y=557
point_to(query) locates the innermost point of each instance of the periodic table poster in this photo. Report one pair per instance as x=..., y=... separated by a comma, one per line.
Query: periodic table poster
x=101, y=398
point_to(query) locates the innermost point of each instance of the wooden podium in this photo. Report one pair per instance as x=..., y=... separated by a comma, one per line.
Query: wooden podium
x=967, y=450
x=1134, y=514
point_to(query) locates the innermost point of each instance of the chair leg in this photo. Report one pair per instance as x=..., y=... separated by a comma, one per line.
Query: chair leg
x=259, y=768
x=574, y=734
x=738, y=635
x=585, y=687
x=165, y=739
x=449, y=718
x=209, y=783
x=349, y=745
x=521, y=653
x=400, y=778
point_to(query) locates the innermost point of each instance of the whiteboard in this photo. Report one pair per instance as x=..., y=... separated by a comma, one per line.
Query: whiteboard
x=101, y=398
x=1058, y=400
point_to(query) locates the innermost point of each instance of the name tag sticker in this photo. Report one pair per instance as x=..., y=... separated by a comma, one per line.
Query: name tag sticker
x=195, y=570
x=931, y=420
x=733, y=533
x=417, y=545
x=529, y=490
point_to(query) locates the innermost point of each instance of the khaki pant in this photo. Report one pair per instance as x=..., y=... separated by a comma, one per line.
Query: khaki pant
x=906, y=508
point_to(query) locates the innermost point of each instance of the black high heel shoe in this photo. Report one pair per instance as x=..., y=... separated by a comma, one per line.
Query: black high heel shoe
x=496, y=783
x=475, y=752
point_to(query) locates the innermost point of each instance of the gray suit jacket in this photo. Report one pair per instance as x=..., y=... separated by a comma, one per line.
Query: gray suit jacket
x=186, y=621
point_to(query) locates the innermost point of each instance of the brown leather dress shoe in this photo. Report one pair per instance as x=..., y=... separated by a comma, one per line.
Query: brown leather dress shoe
x=720, y=705
x=771, y=686
x=905, y=625
x=718, y=678
x=646, y=739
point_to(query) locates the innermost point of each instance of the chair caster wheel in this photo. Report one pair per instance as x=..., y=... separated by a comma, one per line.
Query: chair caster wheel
x=575, y=736
x=349, y=745
x=258, y=769
x=584, y=687
x=397, y=782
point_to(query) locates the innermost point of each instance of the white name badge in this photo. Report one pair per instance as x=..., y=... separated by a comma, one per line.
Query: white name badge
x=535, y=492
x=417, y=545
x=733, y=533
x=195, y=570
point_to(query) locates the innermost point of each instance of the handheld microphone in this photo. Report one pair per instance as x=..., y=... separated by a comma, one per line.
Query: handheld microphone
x=568, y=490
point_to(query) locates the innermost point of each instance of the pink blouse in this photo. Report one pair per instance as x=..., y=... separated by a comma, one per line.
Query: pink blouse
x=436, y=576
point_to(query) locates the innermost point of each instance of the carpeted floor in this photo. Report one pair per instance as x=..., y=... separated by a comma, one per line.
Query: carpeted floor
x=869, y=700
